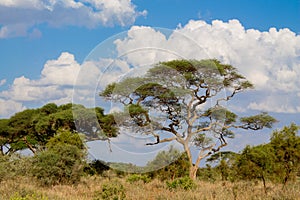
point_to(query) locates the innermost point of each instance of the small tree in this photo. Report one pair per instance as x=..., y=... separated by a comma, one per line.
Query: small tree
x=256, y=163
x=286, y=146
x=184, y=101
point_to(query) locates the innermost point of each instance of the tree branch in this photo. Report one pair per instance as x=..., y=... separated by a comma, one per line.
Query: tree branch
x=158, y=140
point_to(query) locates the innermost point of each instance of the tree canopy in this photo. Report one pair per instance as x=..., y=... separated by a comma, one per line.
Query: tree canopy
x=184, y=101
x=32, y=128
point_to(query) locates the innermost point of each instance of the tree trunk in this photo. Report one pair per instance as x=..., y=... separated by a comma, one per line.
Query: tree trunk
x=29, y=145
x=264, y=182
x=193, y=172
x=193, y=168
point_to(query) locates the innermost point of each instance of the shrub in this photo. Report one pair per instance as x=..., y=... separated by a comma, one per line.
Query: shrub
x=14, y=165
x=111, y=191
x=96, y=167
x=208, y=173
x=185, y=183
x=3, y=167
x=60, y=165
x=138, y=177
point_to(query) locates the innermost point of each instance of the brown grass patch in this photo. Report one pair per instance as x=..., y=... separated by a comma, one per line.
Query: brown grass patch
x=90, y=188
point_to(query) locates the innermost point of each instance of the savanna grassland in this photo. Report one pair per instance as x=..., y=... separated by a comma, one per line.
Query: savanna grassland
x=58, y=168
x=92, y=188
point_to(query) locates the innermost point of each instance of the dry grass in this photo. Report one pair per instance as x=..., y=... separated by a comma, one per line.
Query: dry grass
x=90, y=189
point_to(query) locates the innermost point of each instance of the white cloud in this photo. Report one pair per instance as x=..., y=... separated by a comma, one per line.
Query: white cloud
x=8, y=107
x=56, y=82
x=274, y=107
x=17, y=17
x=62, y=71
x=55, y=85
x=2, y=82
x=271, y=59
x=94, y=76
x=59, y=78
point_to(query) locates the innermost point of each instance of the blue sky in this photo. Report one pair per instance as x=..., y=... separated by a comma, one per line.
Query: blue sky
x=43, y=45
x=26, y=55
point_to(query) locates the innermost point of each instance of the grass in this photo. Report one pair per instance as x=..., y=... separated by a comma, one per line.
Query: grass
x=90, y=188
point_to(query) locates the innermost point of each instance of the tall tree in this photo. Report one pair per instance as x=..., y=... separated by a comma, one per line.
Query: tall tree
x=183, y=101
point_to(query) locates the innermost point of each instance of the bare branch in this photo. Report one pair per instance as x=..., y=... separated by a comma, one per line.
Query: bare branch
x=235, y=91
x=158, y=140
x=202, y=154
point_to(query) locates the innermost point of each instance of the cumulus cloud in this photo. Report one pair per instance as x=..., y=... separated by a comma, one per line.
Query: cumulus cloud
x=55, y=75
x=62, y=71
x=93, y=77
x=18, y=17
x=270, y=59
x=63, y=80
x=8, y=107
x=54, y=85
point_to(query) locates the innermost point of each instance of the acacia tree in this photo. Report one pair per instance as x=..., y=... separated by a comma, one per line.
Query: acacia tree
x=184, y=101
x=32, y=128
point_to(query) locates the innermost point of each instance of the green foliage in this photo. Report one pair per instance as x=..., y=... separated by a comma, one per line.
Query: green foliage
x=5, y=137
x=257, y=122
x=111, y=191
x=65, y=137
x=96, y=167
x=228, y=156
x=286, y=147
x=208, y=173
x=32, y=128
x=221, y=113
x=224, y=170
x=108, y=90
x=276, y=161
x=4, y=162
x=201, y=140
x=59, y=166
x=61, y=163
x=14, y=166
x=138, y=177
x=255, y=162
x=171, y=99
x=185, y=183
x=169, y=164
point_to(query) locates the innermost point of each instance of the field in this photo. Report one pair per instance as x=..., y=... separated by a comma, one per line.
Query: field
x=91, y=188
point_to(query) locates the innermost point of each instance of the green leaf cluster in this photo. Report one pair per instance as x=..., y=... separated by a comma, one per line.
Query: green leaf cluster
x=32, y=128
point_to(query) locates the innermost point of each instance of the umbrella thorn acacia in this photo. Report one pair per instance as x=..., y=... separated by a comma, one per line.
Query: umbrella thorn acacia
x=184, y=99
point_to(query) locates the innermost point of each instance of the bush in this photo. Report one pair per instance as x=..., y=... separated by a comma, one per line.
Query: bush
x=96, y=167
x=112, y=191
x=208, y=173
x=33, y=196
x=60, y=165
x=14, y=165
x=3, y=167
x=173, y=165
x=138, y=177
x=184, y=183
